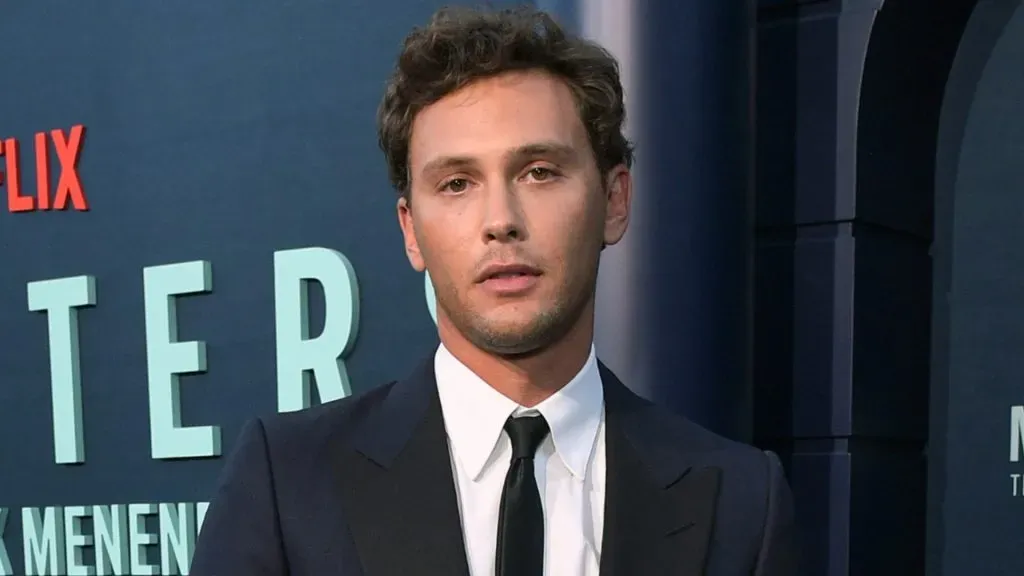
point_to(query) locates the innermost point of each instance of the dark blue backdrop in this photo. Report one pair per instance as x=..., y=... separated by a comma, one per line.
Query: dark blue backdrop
x=227, y=131
x=975, y=503
x=218, y=131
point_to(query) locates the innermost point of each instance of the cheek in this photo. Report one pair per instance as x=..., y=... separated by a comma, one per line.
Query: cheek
x=585, y=225
x=443, y=244
x=579, y=234
x=429, y=229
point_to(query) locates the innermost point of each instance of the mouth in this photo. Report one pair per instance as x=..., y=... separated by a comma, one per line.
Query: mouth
x=509, y=280
x=507, y=272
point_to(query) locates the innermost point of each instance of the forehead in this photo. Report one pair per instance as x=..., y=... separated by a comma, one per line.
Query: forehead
x=491, y=116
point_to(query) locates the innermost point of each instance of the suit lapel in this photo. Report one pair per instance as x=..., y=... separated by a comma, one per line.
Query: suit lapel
x=398, y=490
x=659, y=509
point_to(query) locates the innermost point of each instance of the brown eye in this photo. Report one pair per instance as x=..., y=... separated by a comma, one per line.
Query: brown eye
x=456, y=185
x=540, y=173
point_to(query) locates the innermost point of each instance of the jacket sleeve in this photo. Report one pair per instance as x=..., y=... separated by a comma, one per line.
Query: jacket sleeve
x=241, y=531
x=779, y=545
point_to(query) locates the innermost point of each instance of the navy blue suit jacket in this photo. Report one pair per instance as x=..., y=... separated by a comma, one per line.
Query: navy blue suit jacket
x=364, y=487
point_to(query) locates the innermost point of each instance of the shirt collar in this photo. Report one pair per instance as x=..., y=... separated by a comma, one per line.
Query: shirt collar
x=475, y=414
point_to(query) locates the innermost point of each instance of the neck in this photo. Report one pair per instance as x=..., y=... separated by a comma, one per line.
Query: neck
x=531, y=378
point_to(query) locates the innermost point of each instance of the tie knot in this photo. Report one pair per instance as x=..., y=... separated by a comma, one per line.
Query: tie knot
x=526, y=434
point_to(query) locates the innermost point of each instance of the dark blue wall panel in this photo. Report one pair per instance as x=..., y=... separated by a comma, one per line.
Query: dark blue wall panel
x=848, y=101
x=220, y=131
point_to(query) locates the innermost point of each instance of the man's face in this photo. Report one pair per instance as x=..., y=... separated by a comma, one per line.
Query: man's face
x=508, y=211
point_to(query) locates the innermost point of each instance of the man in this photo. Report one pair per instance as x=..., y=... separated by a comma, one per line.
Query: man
x=511, y=451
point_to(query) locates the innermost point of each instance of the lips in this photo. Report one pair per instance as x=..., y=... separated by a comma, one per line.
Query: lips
x=507, y=271
x=506, y=281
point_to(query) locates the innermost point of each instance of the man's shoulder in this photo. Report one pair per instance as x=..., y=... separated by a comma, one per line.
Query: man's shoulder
x=754, y=510
x=318, y=428
x=663, y=432
x=707, y=448
x=751, y=480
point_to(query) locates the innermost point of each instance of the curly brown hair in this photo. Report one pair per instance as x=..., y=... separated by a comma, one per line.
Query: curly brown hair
x=461, y=45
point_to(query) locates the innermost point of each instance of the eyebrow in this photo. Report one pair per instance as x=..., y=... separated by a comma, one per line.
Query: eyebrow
x=558, y=151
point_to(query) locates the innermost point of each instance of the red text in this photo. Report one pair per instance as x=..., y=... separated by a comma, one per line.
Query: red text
x=69, y=185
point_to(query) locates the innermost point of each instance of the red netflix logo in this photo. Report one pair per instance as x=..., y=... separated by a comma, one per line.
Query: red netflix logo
x=69, y=186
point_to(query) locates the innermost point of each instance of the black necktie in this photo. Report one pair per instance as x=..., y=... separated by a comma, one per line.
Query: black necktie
x=520, y=547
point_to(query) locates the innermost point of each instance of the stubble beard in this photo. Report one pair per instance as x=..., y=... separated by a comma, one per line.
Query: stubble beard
x=546, y=328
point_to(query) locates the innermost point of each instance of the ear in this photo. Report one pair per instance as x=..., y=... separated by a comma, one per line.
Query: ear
x=412, y=245
x=618, y=198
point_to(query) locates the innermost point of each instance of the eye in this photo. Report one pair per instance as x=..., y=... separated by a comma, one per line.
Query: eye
x=541, y=174
x=455, y=185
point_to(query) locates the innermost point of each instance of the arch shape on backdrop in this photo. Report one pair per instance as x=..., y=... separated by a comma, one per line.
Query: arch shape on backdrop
x=909, y=55
x=974, y=483
x=848, y=105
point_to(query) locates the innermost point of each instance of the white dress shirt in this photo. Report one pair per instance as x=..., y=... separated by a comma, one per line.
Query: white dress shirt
x=570, y=464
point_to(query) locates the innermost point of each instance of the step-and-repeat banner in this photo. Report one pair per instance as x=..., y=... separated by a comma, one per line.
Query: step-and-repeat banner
x=196, y=227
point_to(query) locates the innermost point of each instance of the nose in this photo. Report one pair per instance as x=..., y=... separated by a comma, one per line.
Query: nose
x=503, y=219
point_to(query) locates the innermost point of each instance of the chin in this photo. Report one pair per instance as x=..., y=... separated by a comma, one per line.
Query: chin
x=513, y=316
x=507, y=324
x=507, y=342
